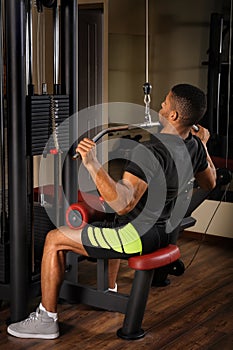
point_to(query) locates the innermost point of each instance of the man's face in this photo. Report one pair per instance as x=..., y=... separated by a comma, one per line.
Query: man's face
x=166, y=109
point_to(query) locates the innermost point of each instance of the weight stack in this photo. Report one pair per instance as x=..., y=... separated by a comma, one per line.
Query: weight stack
x=38, y=108
x=46, y=113
x=59, y=113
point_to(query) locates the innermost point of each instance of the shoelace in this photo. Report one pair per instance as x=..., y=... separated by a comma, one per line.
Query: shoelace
x=32, y=317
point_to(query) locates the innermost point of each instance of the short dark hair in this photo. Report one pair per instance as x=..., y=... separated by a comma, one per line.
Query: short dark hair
x=190, y=103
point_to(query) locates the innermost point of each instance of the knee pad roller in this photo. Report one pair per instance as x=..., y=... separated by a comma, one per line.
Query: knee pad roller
x=81, y=213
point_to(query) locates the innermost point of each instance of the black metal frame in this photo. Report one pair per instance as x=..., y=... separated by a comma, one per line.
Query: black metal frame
x=69, y=85
x=100, y=297
x=131, y=329
x=22, y=286
x=217, y=89
x=17, y=160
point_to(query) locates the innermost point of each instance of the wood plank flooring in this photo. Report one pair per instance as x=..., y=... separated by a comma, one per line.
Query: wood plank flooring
x=194, y=312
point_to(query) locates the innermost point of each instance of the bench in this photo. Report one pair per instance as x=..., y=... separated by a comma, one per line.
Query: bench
x=134, y=304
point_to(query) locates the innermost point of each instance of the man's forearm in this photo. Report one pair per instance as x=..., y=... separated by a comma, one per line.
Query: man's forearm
x=116, y=194
x=210, y=162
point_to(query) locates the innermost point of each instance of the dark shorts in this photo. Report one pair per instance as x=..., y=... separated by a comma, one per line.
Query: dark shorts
x=107, y=240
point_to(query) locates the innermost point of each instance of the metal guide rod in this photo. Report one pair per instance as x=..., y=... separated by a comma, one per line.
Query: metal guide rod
x=38, y=55
x=29, y=48
x=43, y=53
x=56, y=46
x=56, y=60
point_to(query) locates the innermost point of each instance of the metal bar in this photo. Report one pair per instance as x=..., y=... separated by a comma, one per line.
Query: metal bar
x=120, y=128
x=56, y=47
x=136, y=306
x=77, y=293
x=102, y=274
x=2, y=126
x=29, y=49
x=69, y=86
x=17, y=161
x=219, y=80
x=229, y=84
x=56, y=189
x=214, y=70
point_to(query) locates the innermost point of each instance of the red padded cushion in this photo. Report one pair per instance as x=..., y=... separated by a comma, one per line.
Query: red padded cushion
x=159, y=258
x=88, y=213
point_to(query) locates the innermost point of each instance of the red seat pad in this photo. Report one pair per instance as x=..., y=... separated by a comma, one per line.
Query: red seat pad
x=159, y=258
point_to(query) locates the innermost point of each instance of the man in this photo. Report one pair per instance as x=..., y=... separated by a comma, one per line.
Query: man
x=144, y=202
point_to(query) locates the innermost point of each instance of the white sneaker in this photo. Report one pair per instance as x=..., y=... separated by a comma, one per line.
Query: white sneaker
x=37, y=325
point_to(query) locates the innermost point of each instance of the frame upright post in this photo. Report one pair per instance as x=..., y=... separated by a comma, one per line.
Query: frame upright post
x=17, y=157
x=69, y=85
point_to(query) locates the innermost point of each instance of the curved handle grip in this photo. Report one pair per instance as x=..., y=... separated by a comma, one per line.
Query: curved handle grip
x=119, y=128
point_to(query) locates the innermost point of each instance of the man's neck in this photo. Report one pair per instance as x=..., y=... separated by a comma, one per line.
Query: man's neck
x=178, y=131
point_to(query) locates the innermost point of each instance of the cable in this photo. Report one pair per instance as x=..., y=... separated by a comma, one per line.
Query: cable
x=147, y=41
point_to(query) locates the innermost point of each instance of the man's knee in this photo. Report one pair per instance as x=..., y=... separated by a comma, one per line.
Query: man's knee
x=51, y=238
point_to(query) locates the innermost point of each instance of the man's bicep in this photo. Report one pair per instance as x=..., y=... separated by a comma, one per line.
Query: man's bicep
x=205, y=179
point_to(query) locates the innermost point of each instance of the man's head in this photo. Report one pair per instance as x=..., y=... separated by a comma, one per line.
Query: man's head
x=185, y=103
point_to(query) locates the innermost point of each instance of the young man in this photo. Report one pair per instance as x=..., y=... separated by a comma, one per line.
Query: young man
x=146, y=202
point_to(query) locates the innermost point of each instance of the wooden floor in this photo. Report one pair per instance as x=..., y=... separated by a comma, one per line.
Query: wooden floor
x=194, y=312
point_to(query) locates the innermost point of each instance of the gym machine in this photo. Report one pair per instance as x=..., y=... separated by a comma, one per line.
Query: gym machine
x=27, y=115
x=31, y=119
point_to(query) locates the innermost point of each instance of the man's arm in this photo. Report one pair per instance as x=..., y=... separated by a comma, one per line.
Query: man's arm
x=121, y=196
x=206, y=179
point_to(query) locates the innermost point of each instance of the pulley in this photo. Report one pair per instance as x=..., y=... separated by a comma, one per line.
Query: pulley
x=45, y=3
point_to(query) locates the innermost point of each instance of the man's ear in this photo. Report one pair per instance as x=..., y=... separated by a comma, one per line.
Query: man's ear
x=174, y=115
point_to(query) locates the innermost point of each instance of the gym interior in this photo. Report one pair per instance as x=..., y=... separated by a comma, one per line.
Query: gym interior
x=101, y=68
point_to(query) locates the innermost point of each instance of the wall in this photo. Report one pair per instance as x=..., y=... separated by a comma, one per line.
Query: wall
x=220, y=214
x=179, y=36
x=178, y=44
